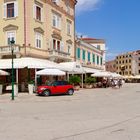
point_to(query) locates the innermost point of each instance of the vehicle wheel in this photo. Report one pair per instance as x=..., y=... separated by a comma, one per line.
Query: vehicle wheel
x=70, y=92
x=46, y=92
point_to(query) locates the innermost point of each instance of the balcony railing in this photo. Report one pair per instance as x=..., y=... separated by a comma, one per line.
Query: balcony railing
x=7, y=49
x=58, y=53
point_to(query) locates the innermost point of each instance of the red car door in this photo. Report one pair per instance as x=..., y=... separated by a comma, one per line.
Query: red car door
x=57, y=88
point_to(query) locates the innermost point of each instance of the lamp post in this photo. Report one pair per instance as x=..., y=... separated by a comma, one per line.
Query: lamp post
x=12, y=42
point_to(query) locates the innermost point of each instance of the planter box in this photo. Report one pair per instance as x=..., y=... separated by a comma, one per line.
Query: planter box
x=15, y=89
x=1, y=87
x=88, y=86
x=30, y=88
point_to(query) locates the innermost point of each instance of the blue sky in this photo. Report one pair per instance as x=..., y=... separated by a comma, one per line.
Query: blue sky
x=116, y=21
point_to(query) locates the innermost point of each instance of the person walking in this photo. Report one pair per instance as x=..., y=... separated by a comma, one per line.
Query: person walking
x=120, y=83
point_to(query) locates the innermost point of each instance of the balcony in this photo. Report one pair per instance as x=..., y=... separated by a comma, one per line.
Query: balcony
x=6, y=50
x=57, y=55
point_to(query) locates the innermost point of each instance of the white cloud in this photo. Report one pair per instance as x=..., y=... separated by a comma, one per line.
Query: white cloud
x=87, y=5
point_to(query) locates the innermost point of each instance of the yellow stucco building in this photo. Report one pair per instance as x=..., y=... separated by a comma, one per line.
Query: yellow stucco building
x=41, y=29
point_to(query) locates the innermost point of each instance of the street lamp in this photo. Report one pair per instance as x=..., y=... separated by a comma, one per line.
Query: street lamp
x=12, y=42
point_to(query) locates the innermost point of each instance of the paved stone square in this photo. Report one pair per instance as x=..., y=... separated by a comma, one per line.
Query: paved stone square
x=90, y=114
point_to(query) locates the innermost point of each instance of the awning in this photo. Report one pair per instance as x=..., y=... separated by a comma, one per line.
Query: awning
x=137, y=76
x=50, y=72
x=115, y=75
x=3, y=72
x=90, y=70
x=71, y=67
x=27, y=62
x=101, y=74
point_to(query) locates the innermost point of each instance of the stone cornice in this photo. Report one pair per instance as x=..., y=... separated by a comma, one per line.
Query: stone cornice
x=10, y=27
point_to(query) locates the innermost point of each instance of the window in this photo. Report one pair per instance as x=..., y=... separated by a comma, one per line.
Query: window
x=68, y=6
x=38, y=12
x=88, y=56
x=11, y=35
x=93, y=58
x=56, y=21
x=68, y=27
x=83, y=55
x=10, y=9
x=78, y=53
x=57, y=45
x=38, y=40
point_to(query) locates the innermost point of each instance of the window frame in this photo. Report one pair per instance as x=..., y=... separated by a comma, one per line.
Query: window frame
x=10, y=32
x=56, y=21
x=38, y=40
x=5, y=9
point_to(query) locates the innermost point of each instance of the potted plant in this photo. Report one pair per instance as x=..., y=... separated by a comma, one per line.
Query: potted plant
x=30, y=87
x=1, y=87
x=89, y=82
x=75, y=81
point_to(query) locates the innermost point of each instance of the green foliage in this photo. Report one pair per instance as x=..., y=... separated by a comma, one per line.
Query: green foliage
x=90, y=80
x=1, y=82
x=75, y=80
x=31, y=82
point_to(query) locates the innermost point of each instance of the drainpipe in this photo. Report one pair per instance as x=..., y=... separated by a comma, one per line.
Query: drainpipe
x=25, y=25
x=74, y=36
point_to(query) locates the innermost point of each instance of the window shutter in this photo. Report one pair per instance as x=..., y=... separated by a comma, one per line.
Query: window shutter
x=42, y=16
x=34, y=11
x=16, y=9
x=4, y=10
x=62, y=46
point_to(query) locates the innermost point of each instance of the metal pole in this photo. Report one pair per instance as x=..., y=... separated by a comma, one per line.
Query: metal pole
x=12, y=74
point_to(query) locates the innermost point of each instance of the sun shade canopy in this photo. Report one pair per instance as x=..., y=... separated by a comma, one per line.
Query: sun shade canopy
x=50, y=72
x=71, y=67
x=4, y=72
x=27, y=62
x=101, y=74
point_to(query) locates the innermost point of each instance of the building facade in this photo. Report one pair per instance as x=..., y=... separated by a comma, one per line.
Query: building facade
x=89, y=55
x=111, y=66
x=40, y=28
x=128, y=63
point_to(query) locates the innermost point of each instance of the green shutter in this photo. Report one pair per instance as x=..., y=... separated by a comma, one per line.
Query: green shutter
x=88, y=56
x=97, y=60
x=101, y=60
x=83, y=55
x=93, y=57
x=78, y=53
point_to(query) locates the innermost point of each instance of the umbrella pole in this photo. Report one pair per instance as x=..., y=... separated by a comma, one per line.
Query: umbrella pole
x=82, y=80
x=35, y=79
